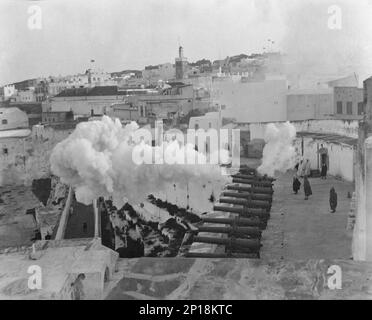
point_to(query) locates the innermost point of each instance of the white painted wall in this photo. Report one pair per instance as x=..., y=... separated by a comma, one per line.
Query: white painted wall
x=252, y=101
x=341, y=157
x=340, y=127
x=12, y=118
x=28, y=158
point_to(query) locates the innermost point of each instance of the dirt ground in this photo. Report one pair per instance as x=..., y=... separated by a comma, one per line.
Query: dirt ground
x=16, y=227
x=306, y=229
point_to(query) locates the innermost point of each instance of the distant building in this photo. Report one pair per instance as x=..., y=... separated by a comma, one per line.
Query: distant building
x=261, y=101
x=25, y=84
x=174, y=100
x=12, y=118
x=367, y=98
x=210, y=120
x=348, y=103
x=88, y=101
x=181, y=65
x=24, y=96
x=41, y=91
x=310, y=104
x=344, y=103
x=126, y=112
x=152, y=74
x=348, y=81
x=202, y=66
x=32, y=109
x=55, y=88
x=8, y=91
x=57, y=117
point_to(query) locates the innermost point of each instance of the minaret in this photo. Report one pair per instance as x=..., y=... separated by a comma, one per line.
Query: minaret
x=181, y=64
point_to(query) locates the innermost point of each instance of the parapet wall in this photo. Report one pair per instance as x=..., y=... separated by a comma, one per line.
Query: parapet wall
x=28, y=158
x=347, y=128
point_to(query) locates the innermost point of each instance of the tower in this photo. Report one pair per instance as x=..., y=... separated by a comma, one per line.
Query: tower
x=181, y=64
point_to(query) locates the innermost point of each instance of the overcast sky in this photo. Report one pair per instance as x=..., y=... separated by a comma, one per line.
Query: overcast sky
x=129, y=34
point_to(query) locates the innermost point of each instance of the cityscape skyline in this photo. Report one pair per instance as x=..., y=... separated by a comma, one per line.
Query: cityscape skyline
x=145, y=29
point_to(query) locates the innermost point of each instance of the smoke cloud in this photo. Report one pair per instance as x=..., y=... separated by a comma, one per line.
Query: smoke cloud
x=312, y=47
x=96, y=160
x=279, y=153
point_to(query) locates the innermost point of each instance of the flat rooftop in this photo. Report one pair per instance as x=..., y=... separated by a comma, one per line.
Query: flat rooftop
x=329, y=137
x=241, y=279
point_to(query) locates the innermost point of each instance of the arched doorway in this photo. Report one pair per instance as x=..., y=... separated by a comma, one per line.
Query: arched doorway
x=323, y=156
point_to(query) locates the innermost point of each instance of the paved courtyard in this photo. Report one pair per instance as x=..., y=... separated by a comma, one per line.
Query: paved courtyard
x=300, y=229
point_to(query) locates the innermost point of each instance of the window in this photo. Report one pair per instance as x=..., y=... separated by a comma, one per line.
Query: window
x=210, y=125
x=5, y=151
x=4, y=121
x=349, y=107
x=339, y=107
x=360, y=108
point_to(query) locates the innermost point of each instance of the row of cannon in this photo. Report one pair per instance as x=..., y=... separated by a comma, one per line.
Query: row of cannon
x=249, y=200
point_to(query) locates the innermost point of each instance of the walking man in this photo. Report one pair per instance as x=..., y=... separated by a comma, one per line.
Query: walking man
x=307, y=188
x=333, y=199
x=296, y=184
x=323, y=172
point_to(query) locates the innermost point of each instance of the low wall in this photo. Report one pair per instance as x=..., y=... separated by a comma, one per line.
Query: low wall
x=64, y=216
x=362, y=237
x=241, y=279
x=348, y=128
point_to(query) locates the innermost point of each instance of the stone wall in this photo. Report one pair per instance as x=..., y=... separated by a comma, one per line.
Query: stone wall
x=341, y=157
x=362, y=237
x=28, y=158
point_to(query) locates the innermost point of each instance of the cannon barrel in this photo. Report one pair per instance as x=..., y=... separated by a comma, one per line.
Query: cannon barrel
x=253, y=182
x=252, y=244
x=247, y=203
x=249, y=170
x=250, y=231
x=261, y=213
x=261, y=190
x=251, y=176
x=221, y=255
x=238, y=221
x=246, y=195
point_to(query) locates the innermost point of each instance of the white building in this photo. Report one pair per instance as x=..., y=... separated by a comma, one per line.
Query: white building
x=337, y=136
x=249, y=102
x=210, y=120
x=12, y=118
x=9, y=90
x=152, y=74
x=24, y=96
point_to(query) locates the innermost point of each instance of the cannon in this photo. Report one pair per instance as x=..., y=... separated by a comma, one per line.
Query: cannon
x=247, y=203
x=261, y=213
x=261, y=190
x=246, y=195
x=252, y=232
x=253, y=182
x=238, y=221
x=251, y=176
x=221, y=255
x=252, y=245
x=248, y=170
